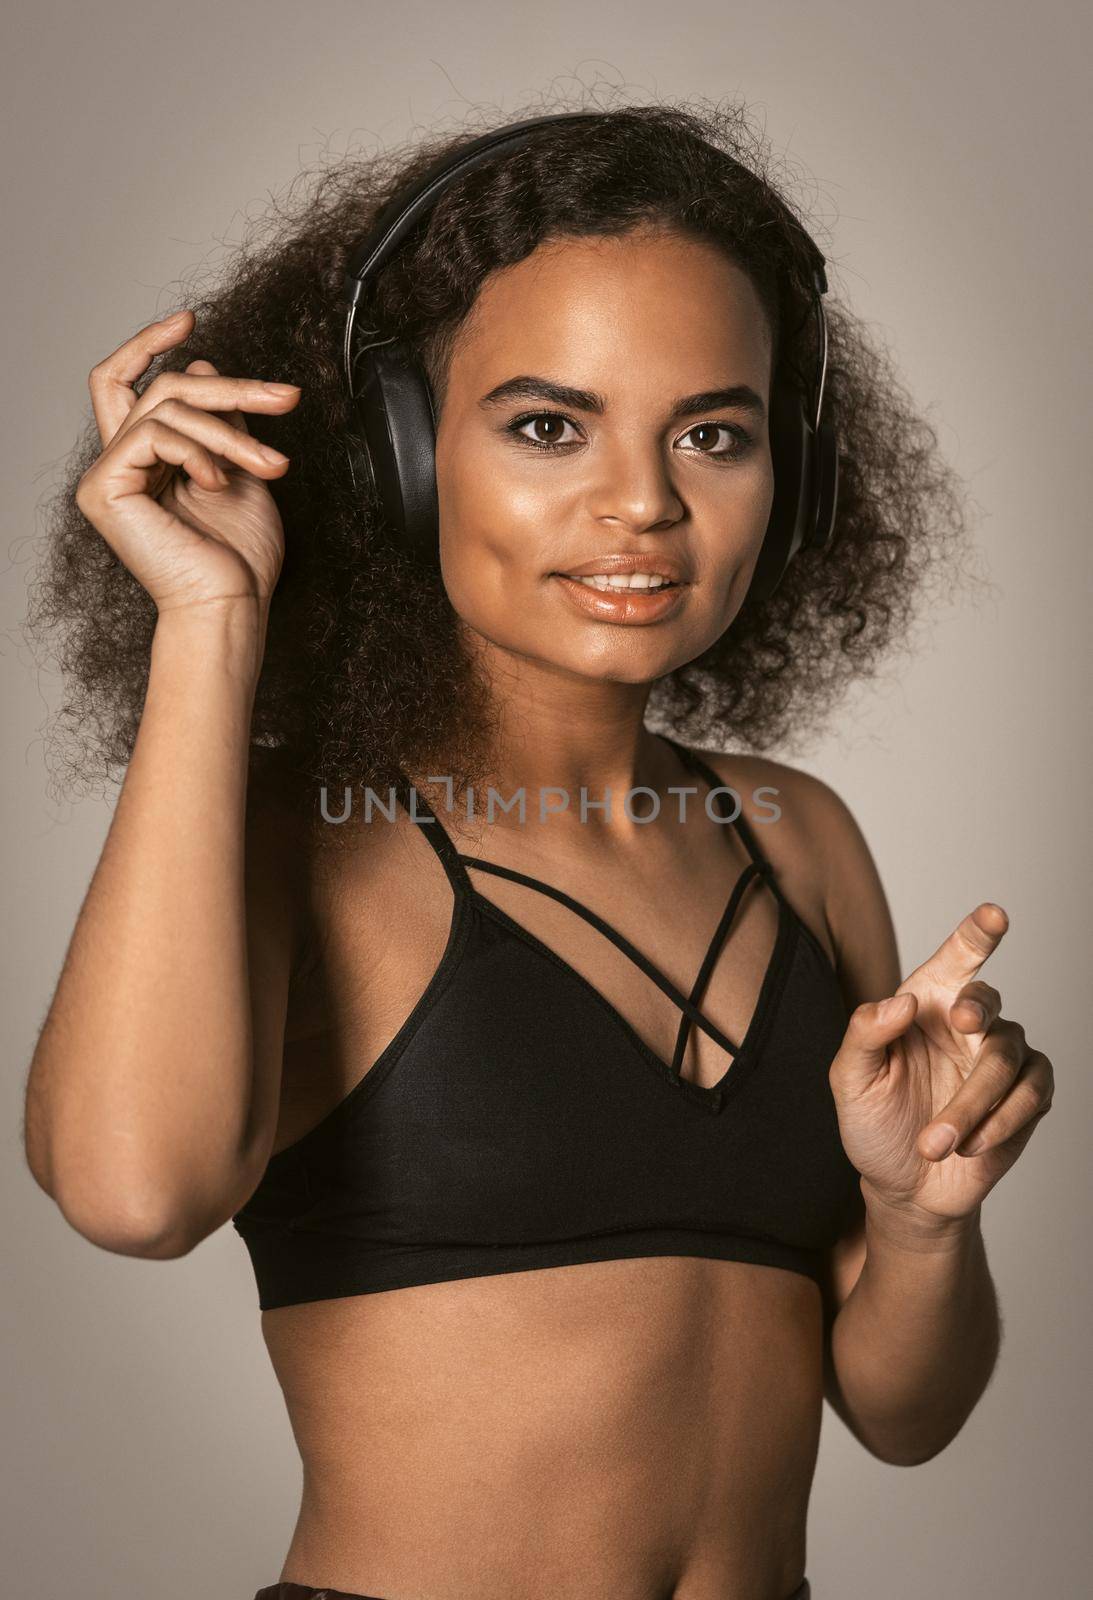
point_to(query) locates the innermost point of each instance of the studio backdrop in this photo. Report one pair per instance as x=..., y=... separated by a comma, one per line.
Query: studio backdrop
x=940, y=154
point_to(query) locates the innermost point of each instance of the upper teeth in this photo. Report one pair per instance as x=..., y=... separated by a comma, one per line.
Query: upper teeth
x=625, y=580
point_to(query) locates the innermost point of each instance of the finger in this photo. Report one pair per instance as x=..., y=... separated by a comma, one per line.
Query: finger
x=1029, y=1100
x=202, y=368
x=872, y=1027
x=975, y=1007
x=281, y=396
x=998, y=1062
x=235, y=417
x=111, y=380
x=128, y=468
x=976, y=937
x=226, y=397
x=217, y=435
x=125, y=469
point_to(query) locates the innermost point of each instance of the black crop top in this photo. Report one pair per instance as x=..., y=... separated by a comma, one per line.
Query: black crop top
x=517, y=1120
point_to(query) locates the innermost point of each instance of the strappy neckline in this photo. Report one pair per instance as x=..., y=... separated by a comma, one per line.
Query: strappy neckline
x=744, y=1055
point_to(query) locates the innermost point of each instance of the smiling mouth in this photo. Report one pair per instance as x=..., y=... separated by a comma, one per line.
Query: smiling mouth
x=617, y=598
x=623, y=583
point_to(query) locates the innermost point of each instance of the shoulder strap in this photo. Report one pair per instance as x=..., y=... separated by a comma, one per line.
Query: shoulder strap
x=740, y=822
x=421, y=813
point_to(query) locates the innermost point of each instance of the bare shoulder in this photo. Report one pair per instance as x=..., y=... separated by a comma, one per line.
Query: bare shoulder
x=824, y=865
x=317, y=876
x=298, y=874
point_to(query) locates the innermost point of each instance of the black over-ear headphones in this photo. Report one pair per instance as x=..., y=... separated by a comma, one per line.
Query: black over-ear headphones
x=394, y=408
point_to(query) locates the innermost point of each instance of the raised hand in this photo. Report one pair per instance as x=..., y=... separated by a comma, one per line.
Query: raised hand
x=936, y=1069
x=210, y=531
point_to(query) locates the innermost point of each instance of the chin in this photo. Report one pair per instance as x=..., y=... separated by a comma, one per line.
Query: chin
x=523, y=620
x=623, y=661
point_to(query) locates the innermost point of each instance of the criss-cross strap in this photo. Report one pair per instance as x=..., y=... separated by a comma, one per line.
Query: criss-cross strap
x=759, y=867
x=686, y=1005
x=751, y=871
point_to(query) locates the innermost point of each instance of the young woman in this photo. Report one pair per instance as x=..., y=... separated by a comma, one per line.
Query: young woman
x=583, y=1145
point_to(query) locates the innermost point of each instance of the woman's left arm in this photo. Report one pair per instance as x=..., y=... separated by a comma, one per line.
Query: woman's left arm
x=930, y=1070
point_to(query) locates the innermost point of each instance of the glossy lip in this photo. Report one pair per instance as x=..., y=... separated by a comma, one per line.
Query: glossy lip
x=620, y=561
x=625, y=605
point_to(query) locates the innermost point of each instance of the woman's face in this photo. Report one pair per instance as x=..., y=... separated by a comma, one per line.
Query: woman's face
x=607, y=397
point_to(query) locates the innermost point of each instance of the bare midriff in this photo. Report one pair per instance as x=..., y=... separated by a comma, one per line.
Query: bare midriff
x=632, y=1430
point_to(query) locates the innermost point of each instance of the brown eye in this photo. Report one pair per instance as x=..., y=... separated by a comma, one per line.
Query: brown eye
x=548, y=426
x=707, y=434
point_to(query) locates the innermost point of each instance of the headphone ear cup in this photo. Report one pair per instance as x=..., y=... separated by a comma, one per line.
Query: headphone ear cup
x=826, y=498
x=790, y=512
x=398, y=430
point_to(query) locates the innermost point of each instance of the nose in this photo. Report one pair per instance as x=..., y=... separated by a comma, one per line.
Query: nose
x=633, y=487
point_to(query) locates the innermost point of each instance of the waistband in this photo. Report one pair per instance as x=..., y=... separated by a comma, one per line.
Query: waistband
x=303, y=1591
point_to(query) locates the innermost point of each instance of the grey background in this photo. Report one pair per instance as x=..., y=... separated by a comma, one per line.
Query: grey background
x=945, y=147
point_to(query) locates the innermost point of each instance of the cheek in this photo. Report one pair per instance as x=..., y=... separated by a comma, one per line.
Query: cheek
x=729, y=520
x=754, y=494
x=492, y=541
x=496, y=520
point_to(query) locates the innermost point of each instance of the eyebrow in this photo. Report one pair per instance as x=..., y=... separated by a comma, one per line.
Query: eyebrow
x=528, y=386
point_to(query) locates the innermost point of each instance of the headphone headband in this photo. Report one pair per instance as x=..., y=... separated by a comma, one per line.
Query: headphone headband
x=401, y=214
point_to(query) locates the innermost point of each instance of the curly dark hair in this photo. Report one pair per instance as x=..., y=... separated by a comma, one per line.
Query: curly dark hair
x=364, y=673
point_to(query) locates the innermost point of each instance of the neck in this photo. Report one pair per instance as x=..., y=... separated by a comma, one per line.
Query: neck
x=558, y=734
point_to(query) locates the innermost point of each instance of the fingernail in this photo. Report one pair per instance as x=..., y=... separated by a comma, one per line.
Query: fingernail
x=974, y=1007
x=889, y=1010
x=271, y=454
x=176, y=316
x=940, y=1141
x=283, y=388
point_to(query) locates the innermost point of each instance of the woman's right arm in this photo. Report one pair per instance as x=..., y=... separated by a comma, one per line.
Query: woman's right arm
x=153, y=1091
